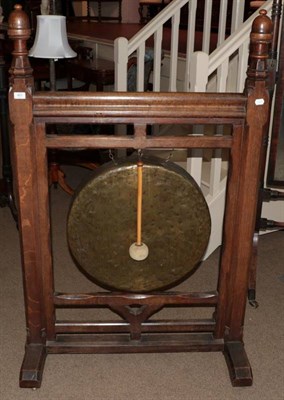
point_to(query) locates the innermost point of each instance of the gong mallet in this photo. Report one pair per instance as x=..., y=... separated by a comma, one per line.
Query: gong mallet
x=139, y=251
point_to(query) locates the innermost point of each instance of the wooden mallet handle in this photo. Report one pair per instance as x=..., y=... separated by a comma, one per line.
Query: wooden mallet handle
x=139, y=201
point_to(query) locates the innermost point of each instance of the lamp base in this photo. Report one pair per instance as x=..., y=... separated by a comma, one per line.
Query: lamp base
x=52, y=78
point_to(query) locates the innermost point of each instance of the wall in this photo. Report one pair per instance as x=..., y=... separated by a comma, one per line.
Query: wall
x=129, y=9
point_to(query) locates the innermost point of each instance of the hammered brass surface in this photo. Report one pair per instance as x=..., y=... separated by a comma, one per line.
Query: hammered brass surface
x=102, y=225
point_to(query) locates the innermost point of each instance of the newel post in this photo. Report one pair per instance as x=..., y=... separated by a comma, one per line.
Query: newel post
x=253, y=150
x=261, y=39
x=19, y=32
x=240, y=224
x=23, y=154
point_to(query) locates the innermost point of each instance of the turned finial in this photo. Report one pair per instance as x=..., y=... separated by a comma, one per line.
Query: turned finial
x=19, y=31
x=261, y=37
x=18, y=21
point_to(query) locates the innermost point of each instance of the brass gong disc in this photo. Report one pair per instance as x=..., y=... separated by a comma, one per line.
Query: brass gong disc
x=102, y=225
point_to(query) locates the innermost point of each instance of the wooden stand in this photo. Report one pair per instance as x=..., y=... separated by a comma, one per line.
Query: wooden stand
x=247, y=114
x=6, y=182
x=275, y=82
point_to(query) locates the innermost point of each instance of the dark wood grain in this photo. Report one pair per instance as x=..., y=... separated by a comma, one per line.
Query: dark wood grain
x=32, y=367
x=135, y=331
x=274, y=85
x=238, y=364
x=103, y=344
x=153, y=326
x=97, y=71
x=169, y=298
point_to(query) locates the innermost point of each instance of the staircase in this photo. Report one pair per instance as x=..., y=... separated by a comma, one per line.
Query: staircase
x=218, y=59
x=222, y=70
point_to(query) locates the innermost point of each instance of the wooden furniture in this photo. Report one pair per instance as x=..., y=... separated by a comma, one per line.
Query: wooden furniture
x=247, y=114
x=100, y=16
x=96, y=71
x=276, y=79
x=100, y=72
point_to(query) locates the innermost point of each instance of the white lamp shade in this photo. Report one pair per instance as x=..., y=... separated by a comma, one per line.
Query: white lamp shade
x=51, y=38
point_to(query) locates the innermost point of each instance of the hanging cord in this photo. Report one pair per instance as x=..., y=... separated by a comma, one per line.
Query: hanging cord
x=170, y=155
x=111, y=156
x=140, y=154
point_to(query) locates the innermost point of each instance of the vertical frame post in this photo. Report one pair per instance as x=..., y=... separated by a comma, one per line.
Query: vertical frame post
x=25, y=174
x=240, y=214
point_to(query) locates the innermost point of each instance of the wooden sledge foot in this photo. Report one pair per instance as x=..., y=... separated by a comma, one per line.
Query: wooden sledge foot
x=238, y=364
x=32, y=367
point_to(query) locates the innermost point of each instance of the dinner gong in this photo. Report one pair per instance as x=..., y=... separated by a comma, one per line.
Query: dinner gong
x=138, y=225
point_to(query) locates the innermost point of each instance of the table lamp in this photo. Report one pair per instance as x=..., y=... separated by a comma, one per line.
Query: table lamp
x=51, y=42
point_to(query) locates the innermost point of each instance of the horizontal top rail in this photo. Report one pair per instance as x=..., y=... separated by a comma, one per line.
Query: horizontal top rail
x=138, y=141
x=148, y=105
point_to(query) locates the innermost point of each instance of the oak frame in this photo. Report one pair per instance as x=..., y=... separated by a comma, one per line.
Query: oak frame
x=30, y=111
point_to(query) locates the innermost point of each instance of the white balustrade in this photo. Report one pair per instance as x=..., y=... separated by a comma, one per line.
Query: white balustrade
x=234, y=42
x=225, y=67
x=140, y=67
x=207, y=26
x=192, y=6
x=237, y=14
x=242, y=65
x=222, y=21
x=198, y=75
x=124, y=49
x=174, y=51
x=121, y=61
x=158, y=36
